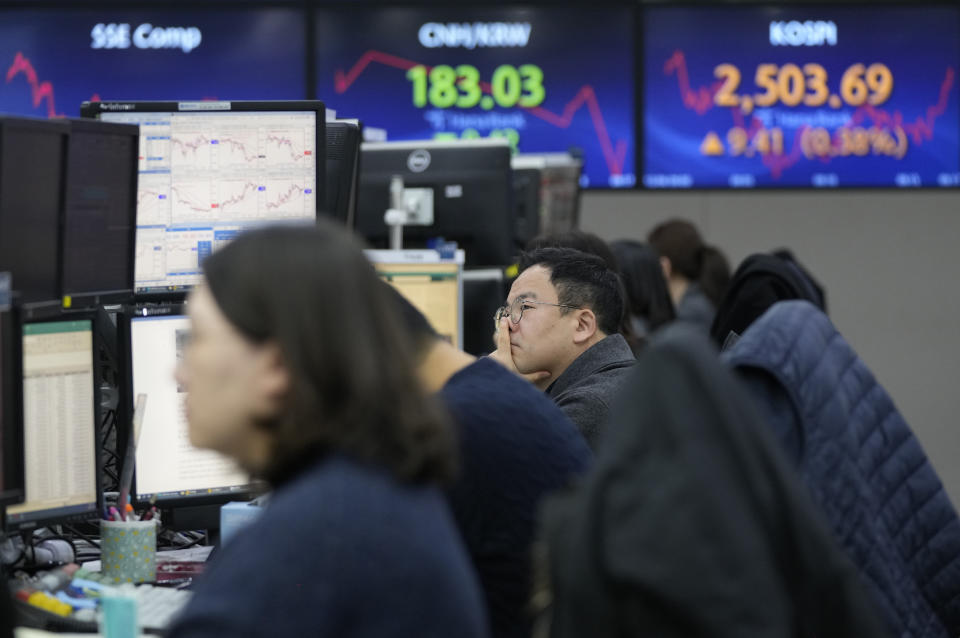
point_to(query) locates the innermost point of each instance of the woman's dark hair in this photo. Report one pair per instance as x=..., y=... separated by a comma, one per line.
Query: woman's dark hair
x=647, y=294
x=592, y=245
x=679, y=241
x=714, y=274
x=312, y=292
x=584, y=281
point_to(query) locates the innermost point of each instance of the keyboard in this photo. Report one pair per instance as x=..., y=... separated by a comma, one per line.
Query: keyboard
x=157, y=606
x=67, y=599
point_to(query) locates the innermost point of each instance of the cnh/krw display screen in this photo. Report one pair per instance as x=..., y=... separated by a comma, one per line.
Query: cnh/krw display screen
x=791, y=96
x=548, y=80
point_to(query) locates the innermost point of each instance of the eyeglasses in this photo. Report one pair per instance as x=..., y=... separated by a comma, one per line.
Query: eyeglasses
x=515, y=310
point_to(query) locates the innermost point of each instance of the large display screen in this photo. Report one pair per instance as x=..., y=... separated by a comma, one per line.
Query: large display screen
x=548, y=80
x=54, y=60
x=790, y=96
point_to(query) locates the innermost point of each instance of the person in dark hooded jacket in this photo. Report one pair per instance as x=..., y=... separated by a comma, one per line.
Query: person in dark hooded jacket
x=760, y=281
x=692, y=523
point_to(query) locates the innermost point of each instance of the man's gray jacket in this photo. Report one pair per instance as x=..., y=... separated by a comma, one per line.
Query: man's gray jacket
x=586, y=388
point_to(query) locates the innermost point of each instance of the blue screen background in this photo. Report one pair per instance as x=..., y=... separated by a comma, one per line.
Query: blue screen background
x=244, y=54
x=575, y=48
x=921, y=47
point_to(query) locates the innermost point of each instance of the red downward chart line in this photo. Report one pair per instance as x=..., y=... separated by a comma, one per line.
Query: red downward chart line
x=700, y=100
x=39, y=91
x=614, y=156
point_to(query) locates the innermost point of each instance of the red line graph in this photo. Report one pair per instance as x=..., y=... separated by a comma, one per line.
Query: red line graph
x=238, y=145
x=39, y=91
x=286, y=196
x=191, y=146
x=614, y=156
x=186, y=199
x=282, y=141
x=922, y=127
x=240, y=197
x=700, y=100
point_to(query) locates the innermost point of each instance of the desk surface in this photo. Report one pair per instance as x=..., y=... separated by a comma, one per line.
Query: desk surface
x=26, y=632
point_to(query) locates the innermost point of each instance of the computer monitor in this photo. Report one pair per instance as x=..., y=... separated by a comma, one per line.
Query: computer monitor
x=31, y=175
x=559, y=189
x=431, y=283
x=472, y=190
x=526, y=203
x=208, y=170
x=11, y=418
x=343, y=169
x=99, y=213
x=60, y=422
x=169, y=469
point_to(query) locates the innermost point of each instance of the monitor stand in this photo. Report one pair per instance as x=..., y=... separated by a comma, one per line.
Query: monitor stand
x=194, y=517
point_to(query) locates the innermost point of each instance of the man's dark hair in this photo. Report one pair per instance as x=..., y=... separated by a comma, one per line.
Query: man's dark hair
x=313, y=293
x=582, y=280
x=579, y=240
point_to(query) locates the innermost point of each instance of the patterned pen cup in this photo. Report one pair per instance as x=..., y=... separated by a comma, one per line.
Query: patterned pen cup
x=128, y=551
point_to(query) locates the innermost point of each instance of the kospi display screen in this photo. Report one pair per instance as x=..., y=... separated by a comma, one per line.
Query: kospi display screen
x=791, y=96
x=548, y=80
x=52, y=60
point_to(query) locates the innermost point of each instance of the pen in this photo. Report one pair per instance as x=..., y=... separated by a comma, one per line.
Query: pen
x=126, y=472
x=114, y=514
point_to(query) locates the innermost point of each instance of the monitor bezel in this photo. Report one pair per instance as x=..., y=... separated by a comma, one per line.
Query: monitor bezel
x=354, y=133
x=125, y=322
x=61, y=129
x=49, y=518
x=92, y=298
x=11, y=409
x=177, y=294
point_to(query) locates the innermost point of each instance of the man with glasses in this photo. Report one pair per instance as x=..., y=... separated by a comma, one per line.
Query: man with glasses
x=560, y=329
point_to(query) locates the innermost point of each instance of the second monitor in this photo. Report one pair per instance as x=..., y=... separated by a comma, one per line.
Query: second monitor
x=472, y=192
x=208, y=170
x=169, y=469
x=60, y=423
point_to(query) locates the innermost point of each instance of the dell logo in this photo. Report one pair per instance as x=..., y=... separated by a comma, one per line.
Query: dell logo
x=419, y=160
x=812, y=33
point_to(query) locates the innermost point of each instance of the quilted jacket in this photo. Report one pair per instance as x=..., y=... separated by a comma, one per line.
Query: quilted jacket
x=862, y=464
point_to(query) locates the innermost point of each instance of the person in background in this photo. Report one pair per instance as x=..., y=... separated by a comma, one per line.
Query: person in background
x=516, y=446
x=561, y=322
x=693, y=270
x=760, y=281
x=714, y=274
x=298, y=369
x=648, y=300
